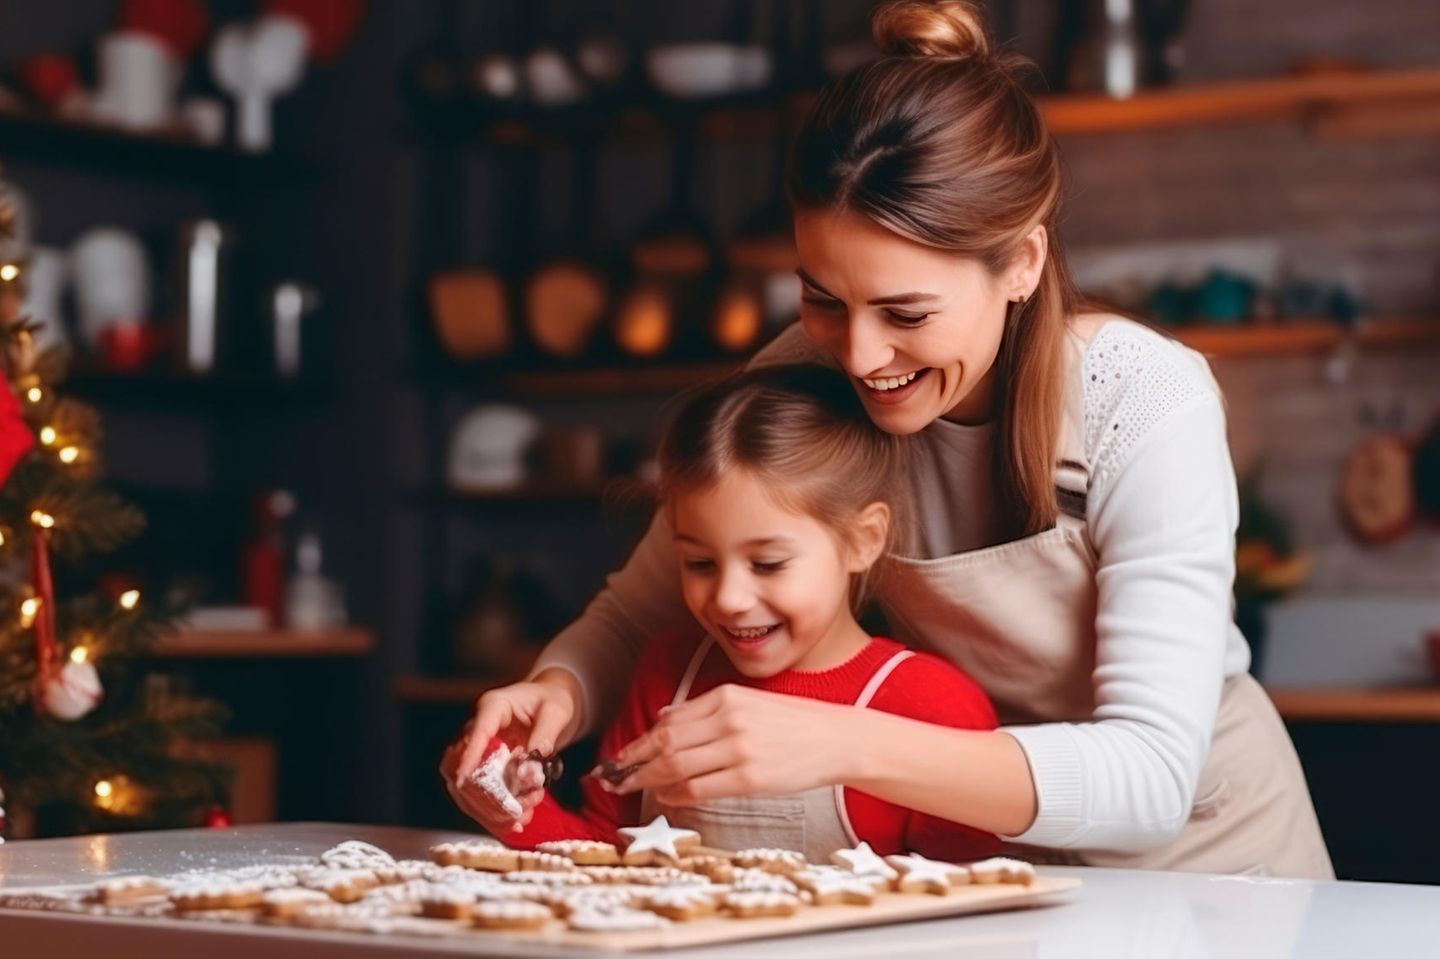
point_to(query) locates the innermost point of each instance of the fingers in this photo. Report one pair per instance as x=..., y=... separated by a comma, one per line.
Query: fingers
x=680, y=729
x=490, y=715
x=731, y=781
x=550, y=722
x=678, y=767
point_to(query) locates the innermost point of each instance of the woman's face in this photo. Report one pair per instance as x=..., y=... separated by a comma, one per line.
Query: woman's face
x=916, y=328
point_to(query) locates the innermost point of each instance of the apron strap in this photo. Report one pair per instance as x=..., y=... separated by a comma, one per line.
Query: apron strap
x=682, y=692
x=863, y=700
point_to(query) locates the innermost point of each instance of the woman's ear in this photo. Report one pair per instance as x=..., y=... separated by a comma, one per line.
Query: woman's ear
x=1023, y=276
x=868, y=536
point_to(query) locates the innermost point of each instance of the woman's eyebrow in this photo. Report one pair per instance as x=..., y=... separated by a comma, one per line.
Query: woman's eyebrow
x=896, y=299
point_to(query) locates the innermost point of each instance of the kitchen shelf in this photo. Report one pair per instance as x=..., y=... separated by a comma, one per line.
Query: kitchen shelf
x=1296, y=338
x=1419, y=704
x=1275, y=98
x=266, y=644
x=161, y=388
x=154, y=156
x=1312, y=98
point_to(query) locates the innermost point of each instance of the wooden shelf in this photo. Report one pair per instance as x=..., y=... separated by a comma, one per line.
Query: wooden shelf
x=1319, y=99
x=55, y=142
x=1419, y=704
x=160, y=388
x=615, y=380
x=278, y=644
x=1243, y=101
x=1305, y=337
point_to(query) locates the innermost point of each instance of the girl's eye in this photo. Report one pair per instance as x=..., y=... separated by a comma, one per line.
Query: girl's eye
x=699, y=565
x=906, y=319
x=770, y=567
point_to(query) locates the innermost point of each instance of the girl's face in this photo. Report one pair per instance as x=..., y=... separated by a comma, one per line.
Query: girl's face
x=771, y=586
x=917, y=329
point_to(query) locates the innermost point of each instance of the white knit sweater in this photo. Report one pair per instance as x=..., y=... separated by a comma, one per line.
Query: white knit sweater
x=1162, y=513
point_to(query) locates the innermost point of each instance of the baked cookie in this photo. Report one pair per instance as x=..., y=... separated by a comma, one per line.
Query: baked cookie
x=717, y=869
x=217, y=894
x=544, y=862
x=284, y=903
x=446, y=902
x=682, y=904
x=863, y=861
x=486, y=855
x=510, y=914
x=759, y=905
x=1000, y=869
x=354, y=854
x=921, y=875
x=656, y=842
x=617, y=919
x=124, y=889
x=836, y=888
x=783, y=862
x=583, y=852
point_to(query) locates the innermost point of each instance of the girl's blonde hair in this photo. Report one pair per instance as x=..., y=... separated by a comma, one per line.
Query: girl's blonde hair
x=802, y=432
x=938, y=142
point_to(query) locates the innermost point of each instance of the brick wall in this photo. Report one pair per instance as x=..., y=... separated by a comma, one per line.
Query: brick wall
x=1370, y=206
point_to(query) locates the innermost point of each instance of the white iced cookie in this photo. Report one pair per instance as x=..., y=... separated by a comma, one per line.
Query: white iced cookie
x=657, y=841
x=918, y=874
x=514, y=914
x=492, y=778
x=354, y=854
x=760, y=905
x=780, y=861
x=1000, y=869
x=615, y=919
x=863, y=861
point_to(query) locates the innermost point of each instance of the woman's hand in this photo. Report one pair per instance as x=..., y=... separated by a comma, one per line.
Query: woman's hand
x=479, y=804
x=737, y=741
x=539, y=714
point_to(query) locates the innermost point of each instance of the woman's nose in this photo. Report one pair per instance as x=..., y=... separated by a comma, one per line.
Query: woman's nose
x=863, y=347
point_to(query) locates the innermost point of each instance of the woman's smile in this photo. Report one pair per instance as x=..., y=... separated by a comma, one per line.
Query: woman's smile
x=892, y=389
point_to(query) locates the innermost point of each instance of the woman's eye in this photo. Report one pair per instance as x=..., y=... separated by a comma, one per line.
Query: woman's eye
x=906, y=319
x=820, y=304
x=770, y=567
x=699, y=565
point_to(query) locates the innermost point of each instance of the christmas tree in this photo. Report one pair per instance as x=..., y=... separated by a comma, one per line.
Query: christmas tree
x=87, y=742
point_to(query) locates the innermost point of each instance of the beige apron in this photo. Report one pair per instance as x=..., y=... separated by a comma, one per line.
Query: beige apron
x=1020, y=618
x=814, y=822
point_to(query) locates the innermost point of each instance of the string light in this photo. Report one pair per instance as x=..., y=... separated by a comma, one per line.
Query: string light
x=79, y=654
x=42, y=519
x=9, y=272
x=69, y=455
x=28, y=610
x=34, y=394
x=130, y=598
x=104, y=789
x=47, y=435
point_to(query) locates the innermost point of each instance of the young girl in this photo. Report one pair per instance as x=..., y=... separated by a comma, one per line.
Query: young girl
x=781, y=496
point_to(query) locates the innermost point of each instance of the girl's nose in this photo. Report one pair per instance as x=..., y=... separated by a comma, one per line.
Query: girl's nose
x=733, y=593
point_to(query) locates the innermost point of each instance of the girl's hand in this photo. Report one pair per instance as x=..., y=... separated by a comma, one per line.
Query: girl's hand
x=738, y=741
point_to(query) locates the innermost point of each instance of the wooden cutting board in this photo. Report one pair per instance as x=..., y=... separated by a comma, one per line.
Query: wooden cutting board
x=889, y=908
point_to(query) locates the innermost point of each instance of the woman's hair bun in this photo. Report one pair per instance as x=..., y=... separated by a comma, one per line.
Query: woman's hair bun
x=930, y=28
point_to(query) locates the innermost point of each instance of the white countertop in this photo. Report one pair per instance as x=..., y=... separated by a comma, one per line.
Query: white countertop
x=1116, y=914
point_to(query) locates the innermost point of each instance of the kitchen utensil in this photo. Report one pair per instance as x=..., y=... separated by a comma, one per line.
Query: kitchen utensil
x=1377, y=489
x=489, y=446
x=290, y=304
x=471, y=312
x=138, y=81
x=112, y=280
x=203, y=295
x=566, y=299
x=255, y=63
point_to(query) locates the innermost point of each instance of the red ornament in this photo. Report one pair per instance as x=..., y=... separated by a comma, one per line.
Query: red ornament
x=179, y=24
x=15, y=437
x=330, y=23
x=48, y=77
x=217, y=817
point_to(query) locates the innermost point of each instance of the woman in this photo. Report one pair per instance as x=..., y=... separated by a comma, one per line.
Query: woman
x=1074, y=549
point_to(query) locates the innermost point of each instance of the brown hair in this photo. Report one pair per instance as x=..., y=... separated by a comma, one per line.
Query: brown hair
x=938, y=142
x=802, y=431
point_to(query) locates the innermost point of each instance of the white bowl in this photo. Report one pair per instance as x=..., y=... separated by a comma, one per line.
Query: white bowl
x=694, y=70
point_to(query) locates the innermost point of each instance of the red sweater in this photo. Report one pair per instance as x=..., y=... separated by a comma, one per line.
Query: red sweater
x=922, y=687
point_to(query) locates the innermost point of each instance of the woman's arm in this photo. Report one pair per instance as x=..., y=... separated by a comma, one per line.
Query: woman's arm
x=1163, y=524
